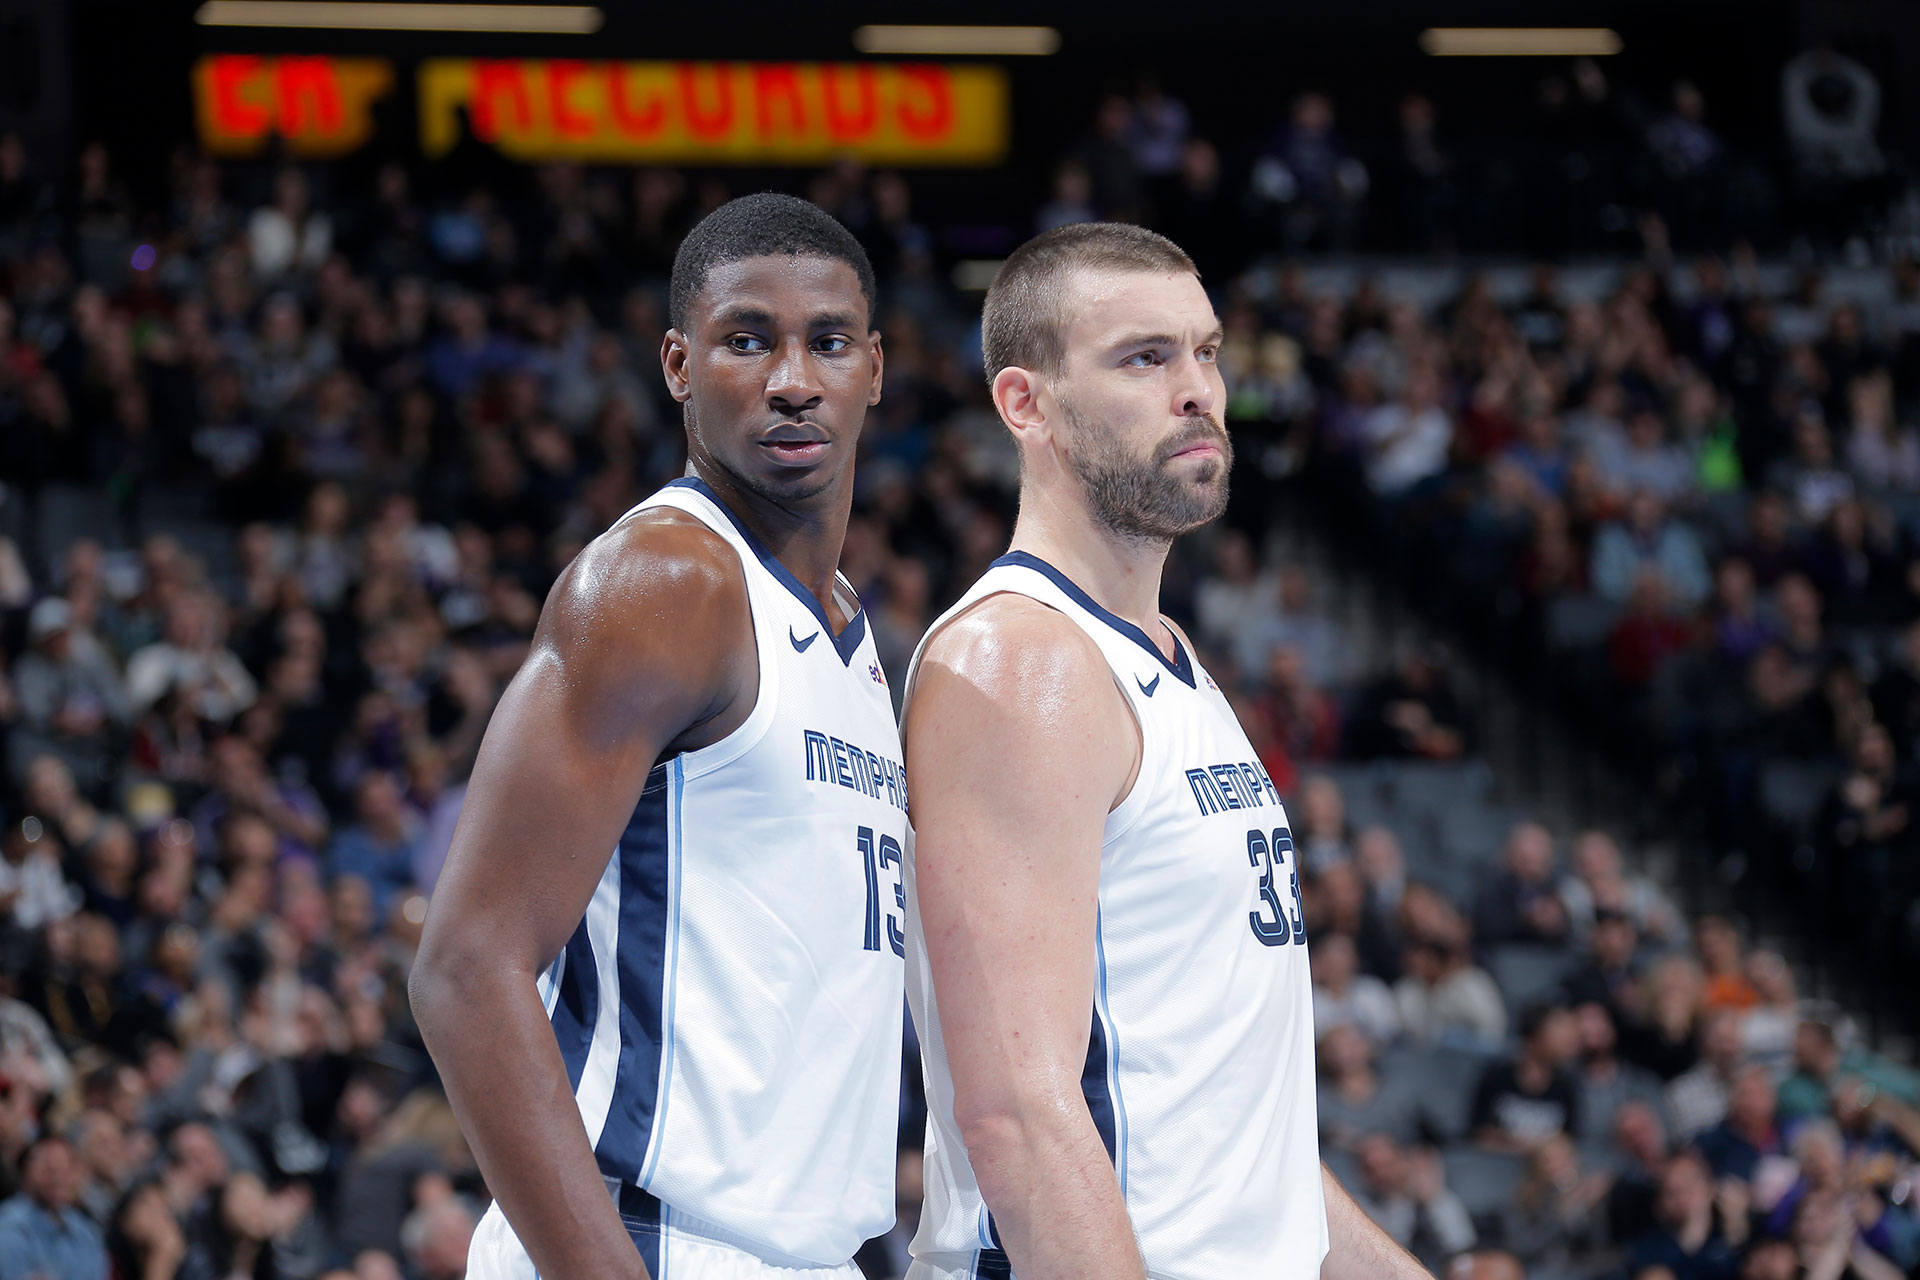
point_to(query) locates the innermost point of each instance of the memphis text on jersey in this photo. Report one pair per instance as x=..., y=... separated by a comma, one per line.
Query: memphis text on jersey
x=833, y=761
x=1231, y=786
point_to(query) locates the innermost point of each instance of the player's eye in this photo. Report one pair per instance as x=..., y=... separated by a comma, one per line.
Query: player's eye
x=1209, y=354
x=746, y=343
x=1142, y=360
x=832, y=344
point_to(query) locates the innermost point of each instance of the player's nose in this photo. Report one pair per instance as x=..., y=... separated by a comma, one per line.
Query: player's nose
x=793, y=382
x=1196, y=391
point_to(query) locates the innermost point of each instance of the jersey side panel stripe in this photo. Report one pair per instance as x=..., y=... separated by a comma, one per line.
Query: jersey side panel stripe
x=575, y=1003
x=601, y=930
x=676, y=777
x=641, y=957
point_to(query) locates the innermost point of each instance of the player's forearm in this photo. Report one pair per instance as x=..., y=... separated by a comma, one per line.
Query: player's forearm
x=502, y=1071
x=1050, y=1186
x=1357, y=1249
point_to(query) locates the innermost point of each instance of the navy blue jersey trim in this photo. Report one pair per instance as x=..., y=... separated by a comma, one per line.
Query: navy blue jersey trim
x=848, y=641
x=640, y=956
x=641, y=1213
x=1182, y=663
x=992, y=1264
x=576, y=1006
x=1094, y=1087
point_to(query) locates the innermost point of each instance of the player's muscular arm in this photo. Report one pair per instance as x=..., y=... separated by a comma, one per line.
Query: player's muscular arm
x=1017, y=746
x=1357, y=1249
x=647, y=635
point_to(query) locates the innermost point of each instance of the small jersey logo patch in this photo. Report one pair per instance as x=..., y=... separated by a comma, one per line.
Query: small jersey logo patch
x=873, y=669
x=799, y=645
x=1146, y=687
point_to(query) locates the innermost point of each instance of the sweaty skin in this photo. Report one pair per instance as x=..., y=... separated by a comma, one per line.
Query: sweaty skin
x=644, y=650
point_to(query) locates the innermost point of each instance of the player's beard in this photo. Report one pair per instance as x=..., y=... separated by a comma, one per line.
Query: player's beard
x=1143, y=499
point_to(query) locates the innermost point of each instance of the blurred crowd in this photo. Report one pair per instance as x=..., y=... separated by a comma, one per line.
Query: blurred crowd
x=289, y=460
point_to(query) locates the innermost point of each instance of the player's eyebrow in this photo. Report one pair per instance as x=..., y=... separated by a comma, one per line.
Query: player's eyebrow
x=1139, y=340
x=744, y=313
x=831, y=320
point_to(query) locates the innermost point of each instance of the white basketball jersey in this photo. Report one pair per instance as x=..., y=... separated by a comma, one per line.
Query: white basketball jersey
x=1199, y=1071
x=729, y=1010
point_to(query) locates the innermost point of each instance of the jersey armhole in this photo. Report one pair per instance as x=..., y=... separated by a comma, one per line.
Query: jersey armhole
x=766, y=696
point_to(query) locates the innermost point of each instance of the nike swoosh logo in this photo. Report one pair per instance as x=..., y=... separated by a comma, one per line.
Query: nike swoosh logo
x=1145, y=687
x=799, y=645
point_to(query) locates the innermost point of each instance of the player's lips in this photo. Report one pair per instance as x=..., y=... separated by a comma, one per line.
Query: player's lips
x=1200, y=449
x=796, y=444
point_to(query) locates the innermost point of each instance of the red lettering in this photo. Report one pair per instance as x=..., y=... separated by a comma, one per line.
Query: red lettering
x=934, y=117
x=494, y=84
x=844, y=124
x=775, y=83
x=567, y=122
x=708, y=124
x=233, y=114
x=641, y=122
x=309, y=97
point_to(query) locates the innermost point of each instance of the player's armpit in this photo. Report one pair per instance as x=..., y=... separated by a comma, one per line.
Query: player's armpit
x=1018, y=744
x=645, y=643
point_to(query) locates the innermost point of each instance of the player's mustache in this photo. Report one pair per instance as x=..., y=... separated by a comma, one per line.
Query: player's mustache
x=1203, y=428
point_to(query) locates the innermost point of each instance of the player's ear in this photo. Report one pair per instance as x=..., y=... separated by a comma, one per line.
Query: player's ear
x=673, y=365
x=879, y=362
x=1017, y=397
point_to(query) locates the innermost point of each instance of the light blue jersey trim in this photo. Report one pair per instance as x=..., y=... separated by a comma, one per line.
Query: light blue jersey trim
x=676, y=785
x=1102, y=1006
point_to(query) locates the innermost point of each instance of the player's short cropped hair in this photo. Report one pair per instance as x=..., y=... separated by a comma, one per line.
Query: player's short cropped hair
x=753, y=227
x=1024, y=325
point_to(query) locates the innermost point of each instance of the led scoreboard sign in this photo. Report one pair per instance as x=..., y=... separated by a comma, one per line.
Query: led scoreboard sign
x=759, y=113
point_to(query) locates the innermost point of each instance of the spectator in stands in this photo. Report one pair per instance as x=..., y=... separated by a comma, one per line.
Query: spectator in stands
x=1406, y=1193
x=1320, y=834
x=72, y=703
x=1767, y=1031
x=1356, y=1100
x=1343, y=996
x=1821, y=1159
x=1740, y=628
x=1599, y=881
x=1407, y=440
x=288, y=236
x=1697, y=1099
x=1717, y=944
x=1306, y=176
x=1519, y=904
x=1557, y=1221
x=1816, y=1067
x=1640, y=460
x=1606, y=1084
x=1238, y=605
x=1827, y=1243
x=381, y=847
x=1648, y=539
x=1610, y=974
x=193, y=663
x=1445, y=998
x=1640, y=1157
x=1735, y=1147
x=32, y=891
x=1521, y=1103
x=1660, y=1032
x=1413, y=714
x=42, y=1231
x=1867, y=830
x=1698, y=1231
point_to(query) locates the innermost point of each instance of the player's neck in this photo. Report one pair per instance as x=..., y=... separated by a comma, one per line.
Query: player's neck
x=806, y=538
x=1122, y=576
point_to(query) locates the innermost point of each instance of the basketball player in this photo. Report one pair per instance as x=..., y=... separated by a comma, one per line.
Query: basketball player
x=661, y=976
x=1109, y=968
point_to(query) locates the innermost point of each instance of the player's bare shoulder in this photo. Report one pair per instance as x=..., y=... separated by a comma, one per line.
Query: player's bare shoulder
x=1013, y=670
x=653, y=609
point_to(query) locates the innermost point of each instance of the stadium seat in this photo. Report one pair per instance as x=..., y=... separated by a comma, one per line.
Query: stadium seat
x=1528, y=973
x=1485, y=1181
x=1446, y=1076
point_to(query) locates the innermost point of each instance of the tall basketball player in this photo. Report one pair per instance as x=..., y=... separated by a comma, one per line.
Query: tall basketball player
x=1106, y=961
x=661, y=975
